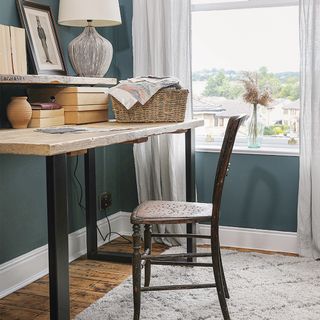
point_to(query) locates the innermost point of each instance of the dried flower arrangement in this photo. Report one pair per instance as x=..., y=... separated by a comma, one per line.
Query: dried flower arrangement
x=253, y=94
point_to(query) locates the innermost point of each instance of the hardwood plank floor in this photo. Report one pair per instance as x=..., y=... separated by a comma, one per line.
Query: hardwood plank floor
x=89, y=281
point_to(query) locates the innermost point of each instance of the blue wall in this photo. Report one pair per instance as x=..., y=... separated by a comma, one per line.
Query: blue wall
x=23, y=223
x=260, y=191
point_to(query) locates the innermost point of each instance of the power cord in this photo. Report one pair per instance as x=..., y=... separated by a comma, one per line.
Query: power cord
x=83, y=210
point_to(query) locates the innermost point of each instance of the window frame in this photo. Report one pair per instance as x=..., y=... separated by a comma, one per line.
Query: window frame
x=271, y=148
x=249, y=4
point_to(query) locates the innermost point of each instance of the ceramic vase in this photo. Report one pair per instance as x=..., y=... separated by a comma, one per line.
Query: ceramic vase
x=255, y=128
x=19, y=112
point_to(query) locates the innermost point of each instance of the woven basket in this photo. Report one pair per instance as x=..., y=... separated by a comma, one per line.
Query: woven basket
x=167, y=105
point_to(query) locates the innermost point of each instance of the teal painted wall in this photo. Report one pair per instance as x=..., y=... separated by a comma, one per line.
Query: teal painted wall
x=23, y=223
x=260, y=191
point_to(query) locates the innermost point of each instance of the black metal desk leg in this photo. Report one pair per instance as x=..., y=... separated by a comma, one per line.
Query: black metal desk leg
x=57, y=208
x=91, y=203
x=190, y=183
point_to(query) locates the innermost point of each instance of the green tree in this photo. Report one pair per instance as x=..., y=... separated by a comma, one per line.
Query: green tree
x=219, y=85
x=269, y=80
x=277, y=129
x=290, y=89
x=225, y=83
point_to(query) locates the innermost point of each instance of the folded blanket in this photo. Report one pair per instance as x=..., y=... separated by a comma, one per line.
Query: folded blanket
x=141, y=89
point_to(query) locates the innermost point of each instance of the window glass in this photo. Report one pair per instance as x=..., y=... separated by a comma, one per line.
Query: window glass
x=225, y=44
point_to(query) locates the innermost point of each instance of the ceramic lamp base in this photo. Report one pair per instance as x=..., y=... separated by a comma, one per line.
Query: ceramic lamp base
x=90, y=54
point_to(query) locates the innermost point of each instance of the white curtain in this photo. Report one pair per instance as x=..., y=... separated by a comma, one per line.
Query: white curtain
x=309, y=186
x=161, y=47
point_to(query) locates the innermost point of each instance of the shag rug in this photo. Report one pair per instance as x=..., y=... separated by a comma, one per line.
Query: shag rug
x=261, y=286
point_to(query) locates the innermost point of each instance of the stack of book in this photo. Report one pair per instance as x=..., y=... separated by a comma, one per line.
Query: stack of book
x=46, y=115
x=81, y=104
x=13, y=52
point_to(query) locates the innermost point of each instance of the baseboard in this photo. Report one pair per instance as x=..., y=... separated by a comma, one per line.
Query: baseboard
x=33, y=265
x=245, y=238
x=276, y=241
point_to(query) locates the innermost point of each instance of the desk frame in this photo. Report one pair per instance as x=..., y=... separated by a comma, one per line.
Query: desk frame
x=56, y=170
x=57, y=210
x=57, y=189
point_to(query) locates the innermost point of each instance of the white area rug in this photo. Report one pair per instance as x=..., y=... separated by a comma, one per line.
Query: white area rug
x=261, y=287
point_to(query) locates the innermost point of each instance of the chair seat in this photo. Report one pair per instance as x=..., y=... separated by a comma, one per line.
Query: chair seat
x=170, y=212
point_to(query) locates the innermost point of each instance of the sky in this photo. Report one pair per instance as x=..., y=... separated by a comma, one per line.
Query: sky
x=246, y=39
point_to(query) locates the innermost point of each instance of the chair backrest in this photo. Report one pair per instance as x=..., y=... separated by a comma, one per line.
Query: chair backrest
x=222, y=169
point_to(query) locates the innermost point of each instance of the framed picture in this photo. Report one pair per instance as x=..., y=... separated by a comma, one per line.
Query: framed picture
x=43, y=43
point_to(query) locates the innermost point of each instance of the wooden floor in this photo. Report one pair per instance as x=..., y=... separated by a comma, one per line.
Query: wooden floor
x=89, y=281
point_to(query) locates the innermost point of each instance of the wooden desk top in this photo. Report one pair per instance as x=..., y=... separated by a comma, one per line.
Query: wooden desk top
x=31, y=142
x=30, y=79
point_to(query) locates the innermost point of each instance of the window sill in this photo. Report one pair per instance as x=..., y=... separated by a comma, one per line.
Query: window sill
x=263, y=151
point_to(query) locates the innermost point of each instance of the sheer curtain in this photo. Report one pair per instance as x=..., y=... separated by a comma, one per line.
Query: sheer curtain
x=309, y=186
x=161, y=47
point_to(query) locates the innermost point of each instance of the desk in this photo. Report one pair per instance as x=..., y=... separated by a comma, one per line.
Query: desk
x=55, y=148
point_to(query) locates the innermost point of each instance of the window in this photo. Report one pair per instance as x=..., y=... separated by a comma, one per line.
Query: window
x=230, y=37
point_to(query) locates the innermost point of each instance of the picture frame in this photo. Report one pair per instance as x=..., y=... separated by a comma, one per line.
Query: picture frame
x=42, y=38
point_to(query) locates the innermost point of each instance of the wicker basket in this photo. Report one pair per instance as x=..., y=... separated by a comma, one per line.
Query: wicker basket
x=167, y=105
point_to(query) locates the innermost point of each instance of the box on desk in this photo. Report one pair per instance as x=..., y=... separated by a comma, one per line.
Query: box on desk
x=81, y=104
x=85, y=114
x=70, y=96
x=46, y=118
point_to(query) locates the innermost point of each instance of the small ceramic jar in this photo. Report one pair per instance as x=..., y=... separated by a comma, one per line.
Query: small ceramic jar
x=19, y=112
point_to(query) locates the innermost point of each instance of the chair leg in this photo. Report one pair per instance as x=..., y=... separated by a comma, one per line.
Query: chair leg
x=226, y=291
x=136, y=271
x=147, y=245
x=217, y=268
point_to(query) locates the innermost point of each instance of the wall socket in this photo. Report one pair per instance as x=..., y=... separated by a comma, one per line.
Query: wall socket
x=105, y=200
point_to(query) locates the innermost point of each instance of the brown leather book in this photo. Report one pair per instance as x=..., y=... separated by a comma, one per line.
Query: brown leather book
x=45, y=105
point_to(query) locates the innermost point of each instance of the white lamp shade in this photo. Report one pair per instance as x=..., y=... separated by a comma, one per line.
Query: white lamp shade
x=76, y=13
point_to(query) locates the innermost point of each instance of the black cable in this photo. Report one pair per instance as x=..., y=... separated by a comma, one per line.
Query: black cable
x=80, y=198
x=83, y=209
x=113, y=232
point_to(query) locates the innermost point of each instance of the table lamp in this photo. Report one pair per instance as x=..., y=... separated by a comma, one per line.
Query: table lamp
x=90, y=54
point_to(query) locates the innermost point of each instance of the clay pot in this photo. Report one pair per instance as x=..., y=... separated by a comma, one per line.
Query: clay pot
x=19, y=112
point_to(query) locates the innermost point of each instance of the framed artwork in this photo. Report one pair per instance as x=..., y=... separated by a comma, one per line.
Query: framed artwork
x=43, y=43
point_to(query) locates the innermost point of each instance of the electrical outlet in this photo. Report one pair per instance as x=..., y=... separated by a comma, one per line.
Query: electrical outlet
x=105, y=200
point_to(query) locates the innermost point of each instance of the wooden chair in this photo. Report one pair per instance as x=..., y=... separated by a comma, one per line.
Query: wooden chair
x=172, y=212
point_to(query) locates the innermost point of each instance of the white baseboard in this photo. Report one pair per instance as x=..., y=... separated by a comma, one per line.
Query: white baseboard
x=277, y=241
x=245, y=238
x=33, y=265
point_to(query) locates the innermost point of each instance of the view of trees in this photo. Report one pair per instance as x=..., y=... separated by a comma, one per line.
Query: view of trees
x=226, y=83
x=277, y=129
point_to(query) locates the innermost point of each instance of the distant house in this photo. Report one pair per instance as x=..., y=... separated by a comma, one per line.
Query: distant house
x=291, y=115
x=220, y=108
x=215, y=111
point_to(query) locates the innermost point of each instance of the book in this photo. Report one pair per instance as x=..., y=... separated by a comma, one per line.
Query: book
x=46, y=122
x=5, y=50
x=18, y=50
x=89, y=107
x=45, y=105
x=80, y=117
x=42, y=113
x=70, y=96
